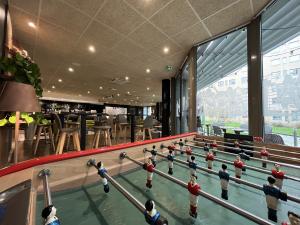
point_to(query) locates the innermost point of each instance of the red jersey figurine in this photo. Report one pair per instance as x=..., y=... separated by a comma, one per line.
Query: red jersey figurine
x=194, y=189
x=278, y=175
x=210, y=158
x=238, y=164
x=264, y=154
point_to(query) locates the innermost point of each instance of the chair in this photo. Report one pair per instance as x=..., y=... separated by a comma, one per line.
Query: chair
x=268, y=129
x=148, y=125
x=62, y=133
x=273, y=139
x=103, y=129
x=45, y=129
x=122, y=124
x=217, y=130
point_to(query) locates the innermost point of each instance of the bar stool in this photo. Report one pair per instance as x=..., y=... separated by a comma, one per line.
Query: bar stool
x=148, y=126
x=63, y=133
x=45, y=129
x=122, y=124
x=105, y=130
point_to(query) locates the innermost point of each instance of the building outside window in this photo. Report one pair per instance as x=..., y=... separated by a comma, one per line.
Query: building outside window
x=281, y=63
x=222, y=84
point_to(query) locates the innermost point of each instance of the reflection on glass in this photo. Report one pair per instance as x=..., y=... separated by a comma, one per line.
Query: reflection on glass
x=281, y=72
x=222, y=84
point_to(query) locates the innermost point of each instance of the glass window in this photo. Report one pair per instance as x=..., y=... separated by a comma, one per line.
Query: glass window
x=178, y=102
x=222, y=84
x=185, y=100
x=281, y=92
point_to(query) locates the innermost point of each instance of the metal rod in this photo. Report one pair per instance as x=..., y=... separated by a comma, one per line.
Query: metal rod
x=121, y=189
x=208, y=196
x=249, y=151
x=248, y=146
x=45, y=173
x=247, y=183
x=253, y=158
x=246, y=166
x=231, y=163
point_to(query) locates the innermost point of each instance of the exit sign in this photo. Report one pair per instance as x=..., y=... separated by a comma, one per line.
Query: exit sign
x=169, y=68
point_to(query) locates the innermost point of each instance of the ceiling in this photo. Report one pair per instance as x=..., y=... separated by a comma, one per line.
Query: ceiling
x=128, y=36
x=222, y=56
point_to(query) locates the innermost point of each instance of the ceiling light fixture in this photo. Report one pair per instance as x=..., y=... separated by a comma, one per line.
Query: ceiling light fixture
x=71, y=69
x=166, y=50
x=88, y=92
x=53, y=87
x=153, y=95
x=220, y=66
x=59, y=80
x=118, y=95
x=100, y=87
x=126, y=78
x=92, y=48
x=48, y=91
x=148, y=70
x=31, y=24
x=148, y=88
x=128, y=92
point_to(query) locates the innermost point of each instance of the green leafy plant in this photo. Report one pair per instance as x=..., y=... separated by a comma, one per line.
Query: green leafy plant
x=23, y=70
x=11, y=118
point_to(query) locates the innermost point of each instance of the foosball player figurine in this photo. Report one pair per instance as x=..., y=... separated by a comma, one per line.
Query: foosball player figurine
x=238, y=165
x=153, y=155
x=172, y=148
x=49, y=214
x=170, y=158
x=152, y=216
x=150, y=168
x=224, y=178
x=101, y=171
x=294, y=219
x=188, y=151
x=214, y=146
x=272, y=195
x=194, y=189
x=278, y=175
x=206, y=148
x=264, y=154
x=192, y=166
x=209, y=159
x=181, y=144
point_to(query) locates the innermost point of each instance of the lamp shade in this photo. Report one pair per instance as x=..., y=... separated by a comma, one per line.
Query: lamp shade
x=20, y=97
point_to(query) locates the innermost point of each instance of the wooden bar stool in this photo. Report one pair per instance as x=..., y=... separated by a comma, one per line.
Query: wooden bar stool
x=105, y=130
x=44, y=129
x=66, y=132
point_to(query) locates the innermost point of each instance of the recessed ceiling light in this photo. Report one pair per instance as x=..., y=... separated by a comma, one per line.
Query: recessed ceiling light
x=48, y=91
x=92, y=48
x=118, y=95
x=166, y=50
x=53, y=87
x=128, y=92
x=148, y=88
x=59, y=80
x=71, y=69
x=100, y=87
x=31, y=24
x=153, y=95
x=88, y=92
x=126, y=78
x=148, y=70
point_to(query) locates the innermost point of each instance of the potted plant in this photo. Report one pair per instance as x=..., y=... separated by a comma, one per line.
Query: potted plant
x=20, y=68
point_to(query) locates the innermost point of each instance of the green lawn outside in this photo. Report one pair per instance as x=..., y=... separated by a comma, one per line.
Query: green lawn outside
x=275, y=129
